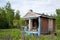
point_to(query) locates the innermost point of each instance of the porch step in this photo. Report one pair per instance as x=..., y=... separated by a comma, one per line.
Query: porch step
x=31, y=32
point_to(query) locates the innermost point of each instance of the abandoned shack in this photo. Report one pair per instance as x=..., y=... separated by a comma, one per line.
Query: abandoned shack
x=37, y=23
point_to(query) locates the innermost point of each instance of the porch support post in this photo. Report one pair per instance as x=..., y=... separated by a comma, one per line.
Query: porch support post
x=30, y=25
x=39, y=26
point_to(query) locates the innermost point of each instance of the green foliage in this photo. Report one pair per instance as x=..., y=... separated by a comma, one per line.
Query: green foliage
x=16, y=21
x=6, y=16
x=9, y=14
x=16, y=34
x=3, y=20
x=22, y=22
x=58, y=11
x=17, y=16
x=8, y=19
x=9, y=33
x=58, y=18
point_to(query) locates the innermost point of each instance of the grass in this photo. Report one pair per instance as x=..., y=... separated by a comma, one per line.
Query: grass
x=15, y=34
x=58, y=35
x=6, y=33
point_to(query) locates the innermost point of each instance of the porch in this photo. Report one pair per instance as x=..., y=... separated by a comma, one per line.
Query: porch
x=33, y=25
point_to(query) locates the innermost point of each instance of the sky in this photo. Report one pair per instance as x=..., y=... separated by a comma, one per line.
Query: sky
x=38, y=6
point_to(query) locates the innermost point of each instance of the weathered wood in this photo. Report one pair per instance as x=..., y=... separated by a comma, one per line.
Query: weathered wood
x=50, y=26
x=30, y=24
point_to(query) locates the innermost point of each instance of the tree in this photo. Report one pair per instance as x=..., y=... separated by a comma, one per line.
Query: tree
x=7, y=17
x=9, y=14
x=22, y=22
x=17, y=19
x=58, y=18
x=3, y=20
x=17, y=16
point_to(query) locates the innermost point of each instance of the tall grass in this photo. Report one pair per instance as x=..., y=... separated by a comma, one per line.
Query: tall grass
x=16, y=34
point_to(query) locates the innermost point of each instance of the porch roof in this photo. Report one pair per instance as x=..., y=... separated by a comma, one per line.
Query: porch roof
x=32, y=14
